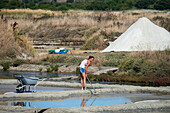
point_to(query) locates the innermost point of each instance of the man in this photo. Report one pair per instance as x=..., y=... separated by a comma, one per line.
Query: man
x=83, y=70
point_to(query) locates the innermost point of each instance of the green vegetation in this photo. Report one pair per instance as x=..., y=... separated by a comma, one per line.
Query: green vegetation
x=114, y=59
x=77, y=71
x=133, y=79
x=15, y=62
x=95, y=28
x=13, y=42
x=49, y=70
x=90, y=31
x=52, y=68
x=40, y=69
x=86, y=5
x=162, y=4
x=145, y=68
x=5, y=65
x=18, y=62
x=95, y=42
x=90, y=44
x=55, y=68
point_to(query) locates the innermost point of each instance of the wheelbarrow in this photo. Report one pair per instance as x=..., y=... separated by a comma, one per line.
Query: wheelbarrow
x=26, y=81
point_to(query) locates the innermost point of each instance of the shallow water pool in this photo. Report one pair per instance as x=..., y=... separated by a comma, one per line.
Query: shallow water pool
x=112, y=99
x=75, y=102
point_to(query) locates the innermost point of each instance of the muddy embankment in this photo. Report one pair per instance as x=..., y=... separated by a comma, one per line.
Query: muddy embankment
x=100, y=88
x=63, y=68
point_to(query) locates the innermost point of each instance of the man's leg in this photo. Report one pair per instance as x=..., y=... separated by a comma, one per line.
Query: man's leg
x=82, y=81
x=84, y=76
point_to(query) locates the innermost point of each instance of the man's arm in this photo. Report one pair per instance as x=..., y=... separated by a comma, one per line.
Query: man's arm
x=88, y=63
x=79, y=63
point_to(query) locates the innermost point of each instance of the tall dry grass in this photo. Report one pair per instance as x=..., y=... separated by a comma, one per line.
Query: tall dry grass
x=7, y=39
x=113, y=21
x=108, y=21
x=33, y=12
x=12, y=43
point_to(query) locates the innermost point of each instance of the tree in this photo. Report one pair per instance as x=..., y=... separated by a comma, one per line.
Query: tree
x=144, y=4
x=70, y=1
x=96, y=5
x=15, y=4
x=62, y=7
x=162, y=5
x=130, y=3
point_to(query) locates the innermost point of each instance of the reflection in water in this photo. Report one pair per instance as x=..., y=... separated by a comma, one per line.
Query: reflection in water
x=76, y=102
x=83, y=102
x=23, y=104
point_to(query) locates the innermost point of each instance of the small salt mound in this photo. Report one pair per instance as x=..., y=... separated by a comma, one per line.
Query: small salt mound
x=143, y=35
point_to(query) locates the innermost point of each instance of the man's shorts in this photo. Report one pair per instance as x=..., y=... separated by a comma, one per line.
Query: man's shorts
x=81, y=70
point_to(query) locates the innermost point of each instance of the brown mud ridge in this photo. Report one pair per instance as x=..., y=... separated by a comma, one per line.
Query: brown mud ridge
x=100, y=88
x=63, y=68
x=53, y=36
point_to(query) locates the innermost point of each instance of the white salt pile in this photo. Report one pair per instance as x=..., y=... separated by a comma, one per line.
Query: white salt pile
x=143, y=35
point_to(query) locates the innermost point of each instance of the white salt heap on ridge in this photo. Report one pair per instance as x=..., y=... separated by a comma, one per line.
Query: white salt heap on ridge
x=143, y=35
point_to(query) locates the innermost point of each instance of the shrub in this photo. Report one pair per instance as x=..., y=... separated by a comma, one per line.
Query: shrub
x=116, y=56
x=137, y=65
x=5, y=65
x=90, y=31
x=46, y=63
x=45, y=59
x=18, y=62
x=111, y=63
x=90, y=44
x=113, y=59
x=62, y=7
x=147, y=68
x=49, y=70
x=158, y=66
x=75, y=60
x=40, y=69
x=55, y=68
x=95, y=42
x=11, y=53
x=126, y=65
x=39, y=63
x=52, y=68
x=78, y=72
x=162, y=69
x=57, y=59
x=109, y=73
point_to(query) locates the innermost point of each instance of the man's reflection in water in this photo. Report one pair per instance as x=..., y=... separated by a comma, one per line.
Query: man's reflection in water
x=83, y=102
